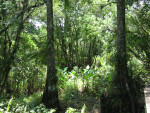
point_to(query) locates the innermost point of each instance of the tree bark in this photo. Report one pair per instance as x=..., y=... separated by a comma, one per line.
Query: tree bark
x=50, y=96
x=122, y=77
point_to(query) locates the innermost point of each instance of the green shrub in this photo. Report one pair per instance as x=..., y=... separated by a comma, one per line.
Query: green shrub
x=34, y=99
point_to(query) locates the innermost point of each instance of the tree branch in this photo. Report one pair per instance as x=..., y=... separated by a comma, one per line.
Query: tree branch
x=142, y=26
x=18, y=15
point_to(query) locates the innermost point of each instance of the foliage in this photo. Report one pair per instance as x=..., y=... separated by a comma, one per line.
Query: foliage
x=70, y=110
x=9, y=104
x=96, y=80
x=83, y=109
x=17, y=106
x=85, y=52
x=34, y=99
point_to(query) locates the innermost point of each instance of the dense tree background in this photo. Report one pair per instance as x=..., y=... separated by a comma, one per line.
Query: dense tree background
x=90, y=61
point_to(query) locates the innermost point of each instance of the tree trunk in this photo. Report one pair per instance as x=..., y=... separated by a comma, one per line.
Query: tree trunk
x=122, y=77
x=4, y=76
x=50, y=96
x=9, y=57
x=90, y=53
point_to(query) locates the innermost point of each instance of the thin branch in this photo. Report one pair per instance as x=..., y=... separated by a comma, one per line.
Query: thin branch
x=141, y=25
x=135, y=54
x=20, y=28
x=105, y=4
x=18, y=15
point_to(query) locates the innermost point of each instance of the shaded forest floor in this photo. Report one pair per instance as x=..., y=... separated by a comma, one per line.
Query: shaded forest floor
x=74, y=100
x=91, y=102
x=79, y=103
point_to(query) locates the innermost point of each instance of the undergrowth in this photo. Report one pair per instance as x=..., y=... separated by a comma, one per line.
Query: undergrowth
x=80, y=90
